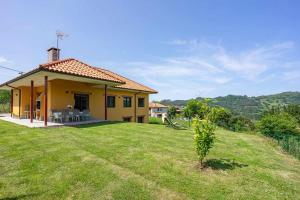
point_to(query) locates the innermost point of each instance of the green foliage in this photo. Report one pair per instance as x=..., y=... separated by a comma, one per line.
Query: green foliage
x=196, y=108
x=250, y=107
x=277, y=125
x=220, y=116
x=293, y=110
x=171, y=113
x=155, y=120
x=291, y=144
x=4, y=101
x=240, y=123
x=203, y=137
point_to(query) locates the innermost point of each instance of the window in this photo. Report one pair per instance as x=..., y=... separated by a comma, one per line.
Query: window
x=127, y=119
x=111, y=101
x=141, y=102
x=81, y=101
x=126, y=102
x=140, y=119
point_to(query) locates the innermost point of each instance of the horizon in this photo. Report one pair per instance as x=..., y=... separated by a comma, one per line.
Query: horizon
x=229, y=95
x=181, y=49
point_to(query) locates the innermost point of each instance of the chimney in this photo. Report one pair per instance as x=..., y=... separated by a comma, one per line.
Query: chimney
x=53, y=54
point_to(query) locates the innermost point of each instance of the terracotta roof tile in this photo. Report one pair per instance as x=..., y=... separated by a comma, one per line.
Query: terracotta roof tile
x=75, y=67
x=156, y=105
x=129, y=84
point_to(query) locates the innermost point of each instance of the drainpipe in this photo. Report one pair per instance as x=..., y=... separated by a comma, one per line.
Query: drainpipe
x=13, y=97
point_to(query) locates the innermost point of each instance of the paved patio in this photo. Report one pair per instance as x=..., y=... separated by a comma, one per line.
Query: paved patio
x=40, y=124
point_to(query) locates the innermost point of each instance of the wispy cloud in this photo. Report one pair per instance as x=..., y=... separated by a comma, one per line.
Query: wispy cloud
x=204, y=67
x=3, y=60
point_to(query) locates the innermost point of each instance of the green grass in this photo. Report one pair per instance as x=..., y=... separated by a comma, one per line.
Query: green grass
x=140, y=161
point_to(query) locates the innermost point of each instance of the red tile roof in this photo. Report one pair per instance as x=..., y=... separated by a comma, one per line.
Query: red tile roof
x=76, y=67
x=156, y=105
x=129, y=84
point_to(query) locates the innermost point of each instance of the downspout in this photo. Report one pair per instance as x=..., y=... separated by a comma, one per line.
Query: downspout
x=19, y=98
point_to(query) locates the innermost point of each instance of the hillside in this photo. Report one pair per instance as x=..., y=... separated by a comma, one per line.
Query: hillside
x=251, y=107
x=140, y=161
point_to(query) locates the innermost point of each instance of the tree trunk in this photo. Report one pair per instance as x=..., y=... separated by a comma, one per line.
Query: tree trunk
x=201, y=163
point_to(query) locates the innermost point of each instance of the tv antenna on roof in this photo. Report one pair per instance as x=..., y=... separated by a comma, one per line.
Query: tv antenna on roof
x=59, y=36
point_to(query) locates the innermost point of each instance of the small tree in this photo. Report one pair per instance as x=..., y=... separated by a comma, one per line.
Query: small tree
x=196, y=108
x=171, y=112
x=203, y=137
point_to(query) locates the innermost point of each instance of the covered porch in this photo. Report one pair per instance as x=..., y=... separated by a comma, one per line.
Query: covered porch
x=39, y=124
x=55, y=99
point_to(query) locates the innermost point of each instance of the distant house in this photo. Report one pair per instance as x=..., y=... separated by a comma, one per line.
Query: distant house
x=50, y=90
x=157, y=110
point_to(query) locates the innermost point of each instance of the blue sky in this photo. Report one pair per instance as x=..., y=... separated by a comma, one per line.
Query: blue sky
x=183, y=49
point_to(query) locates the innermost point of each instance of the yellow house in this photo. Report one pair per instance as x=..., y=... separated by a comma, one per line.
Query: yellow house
x=72, y=84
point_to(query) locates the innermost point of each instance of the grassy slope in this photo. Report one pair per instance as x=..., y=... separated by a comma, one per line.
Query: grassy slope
x=139, y=161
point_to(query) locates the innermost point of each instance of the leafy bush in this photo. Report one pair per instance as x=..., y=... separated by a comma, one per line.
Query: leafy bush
x=277, y=125
x=171, y=113
x=240, y=123
x=280, y=125
x=4, y=101
x=196, y=108
x=203, y=137
x=155, y=120
x=220, y=116
x=291, y=144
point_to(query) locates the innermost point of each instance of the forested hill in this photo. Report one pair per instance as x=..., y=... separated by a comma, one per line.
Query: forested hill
x=251, y=107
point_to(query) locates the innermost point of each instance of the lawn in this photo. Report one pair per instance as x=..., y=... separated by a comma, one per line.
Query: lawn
x=140, y=161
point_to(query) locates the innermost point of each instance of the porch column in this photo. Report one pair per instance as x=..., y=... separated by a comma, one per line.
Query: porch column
x=11, y=102
x=31, y=102
x=46, y=101
x=135, y=107
x=105, y=102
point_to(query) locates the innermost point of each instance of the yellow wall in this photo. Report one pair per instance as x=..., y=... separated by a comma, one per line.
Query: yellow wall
x=61, y=94
x=16, y=103
x=117, y=113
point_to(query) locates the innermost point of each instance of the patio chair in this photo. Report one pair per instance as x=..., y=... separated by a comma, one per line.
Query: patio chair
x=71, y=116
x=57, y=117
x=67, y=115
x=86, y=115
x=76, y=115
x=172, y=124
x=27, y=111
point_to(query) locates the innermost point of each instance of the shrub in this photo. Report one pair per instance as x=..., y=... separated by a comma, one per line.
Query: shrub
x=203, y=137
x=240, y=123
x=220, y=116
x=155, y=120
x=171, y=113
x=291, y=144
x=277, y=125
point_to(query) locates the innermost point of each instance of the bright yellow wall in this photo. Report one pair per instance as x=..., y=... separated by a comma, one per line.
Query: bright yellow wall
x=61, y=94
x=15, y=102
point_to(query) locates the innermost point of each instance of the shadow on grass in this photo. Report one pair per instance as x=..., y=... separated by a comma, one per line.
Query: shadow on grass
x=21, y=196
x=222, y=164
x=98, y=124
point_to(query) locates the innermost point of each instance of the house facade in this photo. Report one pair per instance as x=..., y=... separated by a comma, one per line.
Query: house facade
x=158, y=110
x=70, y=83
